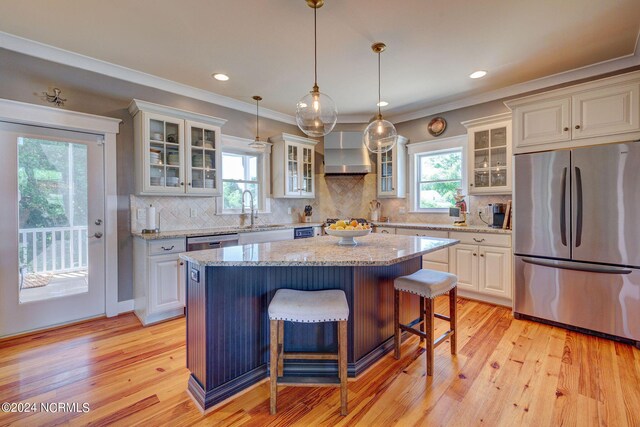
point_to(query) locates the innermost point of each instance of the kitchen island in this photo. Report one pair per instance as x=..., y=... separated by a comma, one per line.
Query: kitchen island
x=229, y=289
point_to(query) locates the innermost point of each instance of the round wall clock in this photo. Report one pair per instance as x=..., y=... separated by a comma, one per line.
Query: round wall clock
x=437, y=125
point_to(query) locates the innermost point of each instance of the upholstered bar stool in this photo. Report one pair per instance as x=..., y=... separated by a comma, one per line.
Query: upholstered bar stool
x=428, y=284
x=307, y=307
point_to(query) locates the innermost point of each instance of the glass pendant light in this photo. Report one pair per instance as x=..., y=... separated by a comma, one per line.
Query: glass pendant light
x=257, y=144
x=316, y=113
x=380, y=136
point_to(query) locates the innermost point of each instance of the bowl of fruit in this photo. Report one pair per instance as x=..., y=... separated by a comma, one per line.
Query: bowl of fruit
x=347, y=230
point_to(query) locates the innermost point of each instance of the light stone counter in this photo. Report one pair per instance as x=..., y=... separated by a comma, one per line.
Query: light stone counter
x=222, y=230
x=442, y=227
x=372, y=250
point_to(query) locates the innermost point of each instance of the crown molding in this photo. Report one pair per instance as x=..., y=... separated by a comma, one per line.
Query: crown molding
x=62, y=56
x=54, y=54
x=593, y=70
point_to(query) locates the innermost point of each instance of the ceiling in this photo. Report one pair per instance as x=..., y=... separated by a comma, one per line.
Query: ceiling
x=266, y=46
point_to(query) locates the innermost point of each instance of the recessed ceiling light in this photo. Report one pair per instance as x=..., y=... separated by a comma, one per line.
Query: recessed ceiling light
x=478, y=74
x=382, y=104
x=221, y=77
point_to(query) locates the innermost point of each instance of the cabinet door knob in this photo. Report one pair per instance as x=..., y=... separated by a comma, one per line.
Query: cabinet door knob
x=577, y=126
x=471, y=185
x=481, y=254
x=566, y=129
x=182, y=184
x=475, y=254
x=181, y=263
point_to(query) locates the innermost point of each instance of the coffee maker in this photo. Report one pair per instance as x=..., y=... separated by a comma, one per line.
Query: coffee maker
x=498, y=211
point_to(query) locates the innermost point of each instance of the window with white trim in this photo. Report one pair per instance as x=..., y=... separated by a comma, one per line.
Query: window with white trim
x=437, y=172
x=239, y=173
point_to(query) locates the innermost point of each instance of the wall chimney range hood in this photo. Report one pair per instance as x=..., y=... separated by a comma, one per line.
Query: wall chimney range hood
x=345, y=154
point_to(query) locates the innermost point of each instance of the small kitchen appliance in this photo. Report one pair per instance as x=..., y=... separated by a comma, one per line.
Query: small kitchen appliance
x=498, y=211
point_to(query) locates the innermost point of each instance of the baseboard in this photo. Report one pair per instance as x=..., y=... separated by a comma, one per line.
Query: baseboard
x=125, y=306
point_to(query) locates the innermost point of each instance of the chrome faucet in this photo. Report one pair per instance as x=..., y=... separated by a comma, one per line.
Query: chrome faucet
x=253, y=214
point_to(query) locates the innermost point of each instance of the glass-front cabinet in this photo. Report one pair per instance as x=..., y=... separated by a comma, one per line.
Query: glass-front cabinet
x=489, y=154
x=293, y=163
x=204, y=158
x=175, y=155
x=392, y=171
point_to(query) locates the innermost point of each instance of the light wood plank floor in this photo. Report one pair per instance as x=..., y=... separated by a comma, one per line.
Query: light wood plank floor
x=507, y=373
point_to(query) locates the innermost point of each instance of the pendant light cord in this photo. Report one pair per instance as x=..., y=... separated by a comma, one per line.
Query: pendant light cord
x=257, y=122
x=379, y=111
x=315, y=46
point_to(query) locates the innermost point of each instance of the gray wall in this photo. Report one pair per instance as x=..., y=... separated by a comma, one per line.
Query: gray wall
x=24, y=78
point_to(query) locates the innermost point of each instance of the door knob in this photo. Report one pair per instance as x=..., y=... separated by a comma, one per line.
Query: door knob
x=97, y=235
x=98, y=222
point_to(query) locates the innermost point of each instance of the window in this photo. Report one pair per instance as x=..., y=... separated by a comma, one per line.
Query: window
x=437, y=171
x=240, y=173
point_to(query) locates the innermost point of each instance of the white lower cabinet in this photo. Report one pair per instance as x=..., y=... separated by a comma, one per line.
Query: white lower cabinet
x=495, y=271
x=159, y=278
x=464, y=264
x=481, y=261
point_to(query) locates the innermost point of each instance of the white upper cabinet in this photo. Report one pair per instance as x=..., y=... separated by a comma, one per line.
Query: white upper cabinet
x=603, y=111
x=489, y=154
x=176, y=152
x=392, y=171
x=293, y=166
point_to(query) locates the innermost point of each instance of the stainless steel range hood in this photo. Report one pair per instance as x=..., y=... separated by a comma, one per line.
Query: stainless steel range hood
x=344, y=153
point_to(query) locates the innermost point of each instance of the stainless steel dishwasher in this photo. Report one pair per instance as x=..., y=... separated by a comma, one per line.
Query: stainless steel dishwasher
x=211, y=242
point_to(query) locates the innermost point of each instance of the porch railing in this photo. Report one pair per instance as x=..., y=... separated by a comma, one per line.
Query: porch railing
x=53, y=250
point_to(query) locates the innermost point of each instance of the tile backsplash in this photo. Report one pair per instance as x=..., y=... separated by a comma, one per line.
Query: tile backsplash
x=336, y=197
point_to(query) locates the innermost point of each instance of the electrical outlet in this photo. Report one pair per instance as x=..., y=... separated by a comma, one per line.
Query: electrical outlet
x=194, y=212
x=402, y=210
x=480, y=211
x=141, y=213
x=289, y=210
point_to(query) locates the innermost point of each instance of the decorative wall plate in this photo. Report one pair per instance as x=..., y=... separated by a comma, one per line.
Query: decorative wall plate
x=437, y=125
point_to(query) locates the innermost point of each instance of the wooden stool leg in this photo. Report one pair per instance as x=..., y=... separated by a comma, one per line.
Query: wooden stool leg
x=273, y=374
x=430, y=332
x=396, y=322
x=342, y=365
x=421, y=318
x=453, y=313
x=280, y=348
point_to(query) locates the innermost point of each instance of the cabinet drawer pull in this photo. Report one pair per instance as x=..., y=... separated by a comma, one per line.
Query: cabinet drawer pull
x=478, y=240
x=384, y=232
x=167, y=249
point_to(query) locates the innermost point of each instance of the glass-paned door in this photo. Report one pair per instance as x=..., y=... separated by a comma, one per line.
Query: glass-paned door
x=386, y=172
x=307, y=171
x=202, y=174
x=490, y=158
x=293, y=180
x=165, y=164
x=52, y=251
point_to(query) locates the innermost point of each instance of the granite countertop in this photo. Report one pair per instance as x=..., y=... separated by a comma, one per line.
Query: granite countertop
x=442, y=227
x=222, y=230
x=374, y=249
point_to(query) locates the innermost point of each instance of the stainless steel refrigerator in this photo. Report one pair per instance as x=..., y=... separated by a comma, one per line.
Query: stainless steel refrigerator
x=577, y=238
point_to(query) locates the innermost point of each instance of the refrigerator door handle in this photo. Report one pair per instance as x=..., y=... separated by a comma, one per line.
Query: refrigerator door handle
x=563, y=213
x=579, y=202
x=592, y=268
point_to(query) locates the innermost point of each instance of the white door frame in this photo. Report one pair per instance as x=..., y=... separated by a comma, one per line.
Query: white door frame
x=108, y=127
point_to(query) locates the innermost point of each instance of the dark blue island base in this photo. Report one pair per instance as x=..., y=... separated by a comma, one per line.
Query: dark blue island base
x=228, y=327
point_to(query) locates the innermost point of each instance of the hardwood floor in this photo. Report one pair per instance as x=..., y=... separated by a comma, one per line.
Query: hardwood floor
x=507, y=373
